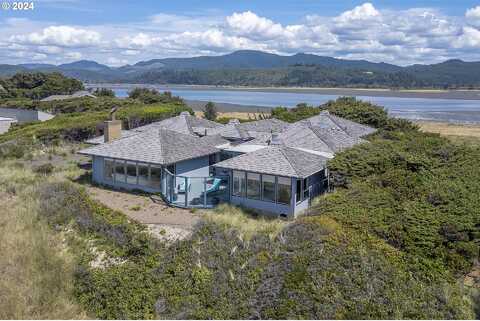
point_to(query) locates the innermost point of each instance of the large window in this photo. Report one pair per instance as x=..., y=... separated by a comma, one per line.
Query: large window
x=253, y=185
x=155, y=176
x=284, y=190
x=120, y=171
x=238, y=183
x=306, y=190
x=298, y=191
x=131, y=173
x=108, y=169
x=268, y=188
x=143, y=174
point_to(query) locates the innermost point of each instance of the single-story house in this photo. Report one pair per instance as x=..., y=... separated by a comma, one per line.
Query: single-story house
x=267, y=165
x=77, y=94
x=5, y=124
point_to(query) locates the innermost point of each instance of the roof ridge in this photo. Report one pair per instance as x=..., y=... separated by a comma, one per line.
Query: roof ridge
x=336, y=123
x=310, y=126
x=282, y=150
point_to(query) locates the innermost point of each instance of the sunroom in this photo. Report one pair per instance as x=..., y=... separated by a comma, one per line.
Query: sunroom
x=276, y=180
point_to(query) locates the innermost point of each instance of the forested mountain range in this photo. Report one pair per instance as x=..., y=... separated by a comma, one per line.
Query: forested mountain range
x=256, y=68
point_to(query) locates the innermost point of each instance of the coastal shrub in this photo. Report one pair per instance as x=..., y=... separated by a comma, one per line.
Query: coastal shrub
x=349, y=108
x=45, y=169
x=415, y=190
x=38, y=85
x=152, y=96
x=103, y=92
x=81, y=126
x=63, y=203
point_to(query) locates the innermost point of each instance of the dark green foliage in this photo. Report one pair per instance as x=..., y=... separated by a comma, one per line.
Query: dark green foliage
x=64, y=203
x=104, y=92
x=415, y=190
x=38, y=85
x=346, y=107
x=210, y=111
x=79, y=126
x=45, y=169
x=12, y=149
x=151, y=96
x=291, y=115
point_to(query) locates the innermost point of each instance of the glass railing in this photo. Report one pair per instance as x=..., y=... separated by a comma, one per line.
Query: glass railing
x=200, y=192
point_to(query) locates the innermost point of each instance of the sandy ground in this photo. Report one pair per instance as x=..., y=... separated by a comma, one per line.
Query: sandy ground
x=376, y=92
x=450, y=129
x=163, y=221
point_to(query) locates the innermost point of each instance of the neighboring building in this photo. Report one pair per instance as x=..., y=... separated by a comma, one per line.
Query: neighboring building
x=5, y=124
x=78, y=94
x=268, y=165
x=25, y=115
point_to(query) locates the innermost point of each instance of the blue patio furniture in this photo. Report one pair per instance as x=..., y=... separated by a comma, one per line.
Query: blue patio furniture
x=215, y=186
x=181, y=187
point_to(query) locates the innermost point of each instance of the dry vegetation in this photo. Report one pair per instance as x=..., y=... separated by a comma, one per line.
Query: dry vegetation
x=458, y=133
x=247, y=225
x=37, y=268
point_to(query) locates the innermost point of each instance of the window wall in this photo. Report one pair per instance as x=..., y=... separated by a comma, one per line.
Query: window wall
x=269, y=188
x=253, y=186
x=133, y=173
x=302, y=190
x=239, y=183
x=284, y=190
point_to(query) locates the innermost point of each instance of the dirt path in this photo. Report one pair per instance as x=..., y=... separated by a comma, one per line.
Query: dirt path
x=164, y=222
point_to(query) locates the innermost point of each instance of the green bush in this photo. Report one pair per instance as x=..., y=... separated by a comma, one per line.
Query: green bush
x=38, y=85
x=415, y=190
x=81, y=126
x=45, y=169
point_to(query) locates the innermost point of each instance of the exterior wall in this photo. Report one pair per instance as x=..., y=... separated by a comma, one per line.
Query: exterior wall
x=269, y=208
x=98, y=177
x=5, y=125
x=197, y=167
x=25, y=115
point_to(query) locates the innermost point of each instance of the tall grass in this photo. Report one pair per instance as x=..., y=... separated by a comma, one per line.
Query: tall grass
x=246, y=224
x=36, y=268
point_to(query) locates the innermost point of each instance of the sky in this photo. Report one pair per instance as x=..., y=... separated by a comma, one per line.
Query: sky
x=125, y=32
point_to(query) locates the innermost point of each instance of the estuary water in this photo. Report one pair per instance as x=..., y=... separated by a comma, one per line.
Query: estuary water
x=452, y=110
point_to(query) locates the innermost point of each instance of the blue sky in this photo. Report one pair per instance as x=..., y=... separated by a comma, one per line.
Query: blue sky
x=121, y=32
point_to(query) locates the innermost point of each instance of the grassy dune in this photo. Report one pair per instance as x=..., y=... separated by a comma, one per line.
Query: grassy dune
x=458, y=133
x=36, y=267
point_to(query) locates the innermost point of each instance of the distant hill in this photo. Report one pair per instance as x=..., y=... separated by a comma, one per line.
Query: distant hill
x=256, y=68
x=251, y=59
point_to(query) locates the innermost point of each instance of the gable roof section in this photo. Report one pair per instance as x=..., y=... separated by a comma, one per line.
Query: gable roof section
x=277, y=160
x=265, y=125
x=326, y=120
x=159, y=147
x=183, y=123
x=301, y=135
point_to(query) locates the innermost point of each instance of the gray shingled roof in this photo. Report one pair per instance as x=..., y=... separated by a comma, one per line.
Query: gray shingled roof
x=277, y=160
x=326, y=120
x=183, y=123
x=159, y=147
x=265, y=125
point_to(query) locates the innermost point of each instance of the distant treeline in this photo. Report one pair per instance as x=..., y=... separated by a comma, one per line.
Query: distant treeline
x=443, y=77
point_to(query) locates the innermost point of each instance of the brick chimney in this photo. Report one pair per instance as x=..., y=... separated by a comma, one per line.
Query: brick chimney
x=113, y=127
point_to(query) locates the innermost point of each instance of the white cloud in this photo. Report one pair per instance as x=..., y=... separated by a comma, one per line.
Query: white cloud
x=473, y=16
x=414, y=35
x=112, y=61
x=365, y=11
x=73, y=55
x=63, y=36
x=249, y=24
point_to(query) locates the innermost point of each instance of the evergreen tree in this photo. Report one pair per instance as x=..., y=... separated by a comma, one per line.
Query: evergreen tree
x=210, y=111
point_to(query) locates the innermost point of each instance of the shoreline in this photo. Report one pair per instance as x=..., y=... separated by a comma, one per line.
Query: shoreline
x=463, y=94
